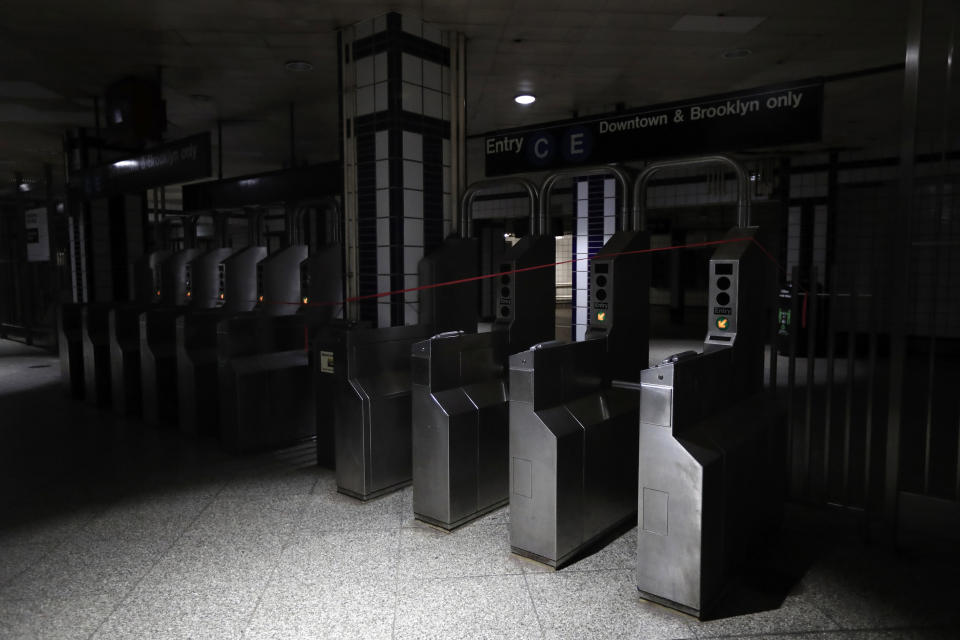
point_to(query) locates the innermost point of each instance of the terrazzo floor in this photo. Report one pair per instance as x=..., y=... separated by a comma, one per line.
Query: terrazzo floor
x=109, y=529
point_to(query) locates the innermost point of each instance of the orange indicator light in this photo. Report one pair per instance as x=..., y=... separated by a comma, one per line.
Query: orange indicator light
x=602, y=316
x=722, y=323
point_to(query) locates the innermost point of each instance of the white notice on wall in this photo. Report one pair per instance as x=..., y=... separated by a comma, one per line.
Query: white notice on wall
x=326, y=362
x=38, y=242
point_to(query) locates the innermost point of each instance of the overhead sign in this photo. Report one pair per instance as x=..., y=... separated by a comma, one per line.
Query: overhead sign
x=289, y=185
x=38, y=241
x=762, y=117
x=171, y=163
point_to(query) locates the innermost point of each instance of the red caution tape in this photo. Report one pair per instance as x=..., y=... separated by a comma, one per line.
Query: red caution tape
x=448, y=283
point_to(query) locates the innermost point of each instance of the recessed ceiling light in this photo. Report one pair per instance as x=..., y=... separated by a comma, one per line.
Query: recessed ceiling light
x=298, y=65
x=736, y=53
x=525, y=98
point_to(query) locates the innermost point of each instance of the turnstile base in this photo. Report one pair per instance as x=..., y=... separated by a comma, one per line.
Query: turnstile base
x=364, y=497
x=588, y=548
x=669, y=603
x=450, y=526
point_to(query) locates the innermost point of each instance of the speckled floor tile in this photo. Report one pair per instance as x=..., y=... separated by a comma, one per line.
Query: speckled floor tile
x=148, y=518
x=328, y=609
x=331, y=511
x=260, y=520
x=316, y=556
x=794, y=615
x=192, y=565
x=858, y=595
x=472, y=607
x=272, y=482
x=602, y=605
x=15, y=559
x=210, y=614
x=86, y=566
x=54, y=618
x=470, y=551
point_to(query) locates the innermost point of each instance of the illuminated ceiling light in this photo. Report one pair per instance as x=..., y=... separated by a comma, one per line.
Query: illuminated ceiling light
x=736, y=53
x=126, y=164
x=525, y=98
x=298, y=65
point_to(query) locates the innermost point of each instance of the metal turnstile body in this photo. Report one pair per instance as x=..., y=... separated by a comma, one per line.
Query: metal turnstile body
x=711, y=448
x=573, y=434
x=148, y=277
x=123, y=325
x=70, y=343
x=265, y=382
x=364, y=378
x=196, y=335
x=96, y=354
x=278, y=281
x=459, y=394
x=237, y=280
x=264, y=372
x=158, y=352
x=572, y=452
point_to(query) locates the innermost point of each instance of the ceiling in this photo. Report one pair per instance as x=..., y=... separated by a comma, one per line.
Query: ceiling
x=225, y=59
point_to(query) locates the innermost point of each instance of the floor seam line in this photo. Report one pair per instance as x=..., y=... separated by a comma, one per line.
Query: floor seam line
x=160, y=557
x=273, y=573
x=533, y=604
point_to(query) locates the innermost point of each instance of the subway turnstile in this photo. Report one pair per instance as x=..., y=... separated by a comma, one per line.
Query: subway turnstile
x=264, y=380
x=70, y=340
x=124, y=335
x=96, y=354
x=158, y=351
x=364, y=378
x=459, y=393
x=264, y=369
x=711, y=448
x=573, y=434
x=196, y=335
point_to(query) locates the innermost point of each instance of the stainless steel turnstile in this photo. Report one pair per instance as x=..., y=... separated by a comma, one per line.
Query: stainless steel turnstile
x=96, y=354
x=363, y=377
x=264, y=368
x=158, y=353
x=572, y=427
x=711, y=446
x=573, y=439
x=70, y=341
x=459, y=392
x=124, y=334
x=264, y=380
x=196, y=336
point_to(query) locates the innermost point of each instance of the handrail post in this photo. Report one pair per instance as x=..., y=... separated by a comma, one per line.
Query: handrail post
x=743, y=186
x=470, y=194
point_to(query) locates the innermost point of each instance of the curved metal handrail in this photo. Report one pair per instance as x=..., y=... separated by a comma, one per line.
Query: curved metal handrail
x=470, y=194
x=621, y=175
x=640, y=185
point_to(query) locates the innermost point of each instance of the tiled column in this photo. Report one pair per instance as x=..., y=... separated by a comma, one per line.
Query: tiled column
x=595, y=214
x=395, y=93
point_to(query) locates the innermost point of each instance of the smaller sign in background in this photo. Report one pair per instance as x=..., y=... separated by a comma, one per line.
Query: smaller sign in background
x=38, y=240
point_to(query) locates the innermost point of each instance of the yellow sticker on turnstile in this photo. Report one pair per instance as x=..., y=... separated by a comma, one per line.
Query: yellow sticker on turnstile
x=723, y=323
